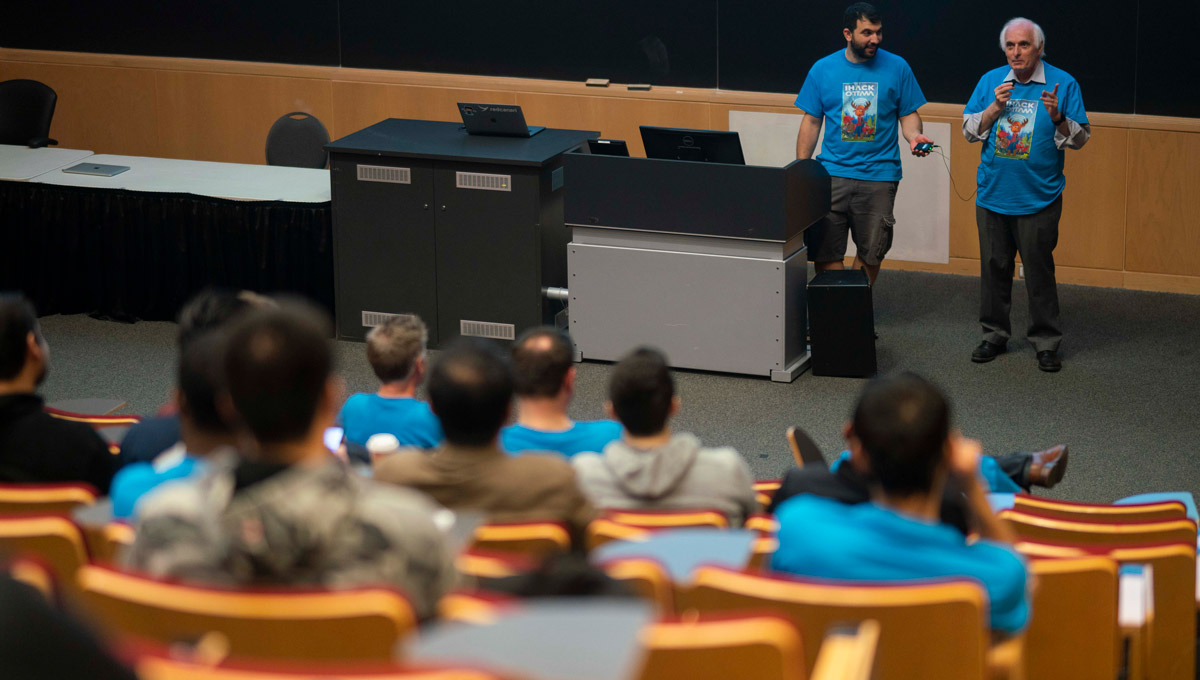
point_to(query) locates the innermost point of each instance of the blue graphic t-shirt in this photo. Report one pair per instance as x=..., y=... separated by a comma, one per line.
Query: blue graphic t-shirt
x=862, y=105
x=410, y=420
x=1020, y=168
x=582, y=436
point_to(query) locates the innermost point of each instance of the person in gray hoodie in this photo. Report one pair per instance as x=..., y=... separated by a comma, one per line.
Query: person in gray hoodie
x=652, y=468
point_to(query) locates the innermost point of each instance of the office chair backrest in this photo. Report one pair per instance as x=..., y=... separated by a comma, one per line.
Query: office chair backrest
x=26, y=109
x=298, y=140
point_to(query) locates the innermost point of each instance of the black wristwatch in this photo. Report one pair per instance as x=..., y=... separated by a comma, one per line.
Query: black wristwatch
x=1058, y=122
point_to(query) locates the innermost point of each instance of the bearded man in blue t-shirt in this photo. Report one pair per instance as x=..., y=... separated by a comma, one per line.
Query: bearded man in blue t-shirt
x=1026, y=114
x=863, y=93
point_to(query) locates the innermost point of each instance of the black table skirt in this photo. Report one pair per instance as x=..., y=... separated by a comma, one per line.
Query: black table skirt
x=129, y=255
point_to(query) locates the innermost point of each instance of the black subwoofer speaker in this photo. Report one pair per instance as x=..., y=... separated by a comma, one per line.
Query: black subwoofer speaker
x=841, y=324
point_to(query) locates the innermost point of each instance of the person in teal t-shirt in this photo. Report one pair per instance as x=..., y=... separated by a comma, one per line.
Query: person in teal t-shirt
x=544, y=383
x=862, y=95
x=901, y=429
x=206, y=434
x=396, y=352
x=1026, y=113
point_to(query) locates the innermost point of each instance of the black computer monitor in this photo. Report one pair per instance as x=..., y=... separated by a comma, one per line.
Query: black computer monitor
x=712, y=146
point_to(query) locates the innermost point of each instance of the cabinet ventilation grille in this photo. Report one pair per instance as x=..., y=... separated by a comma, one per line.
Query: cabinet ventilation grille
x=479, y=180
x=485, y=329
x=373, y=319
x=383, y=173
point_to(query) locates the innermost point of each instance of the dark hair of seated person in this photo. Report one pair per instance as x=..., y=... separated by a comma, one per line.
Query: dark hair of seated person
x=567, y=574
x=207, y=310
x=276, y=365
x=541, y=359
x=17, y=320
x=470, y=391
x=202, y=380
x=903, y=423
x=641, y=390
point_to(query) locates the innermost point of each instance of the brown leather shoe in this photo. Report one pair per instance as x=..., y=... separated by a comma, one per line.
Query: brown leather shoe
x=1046, y=468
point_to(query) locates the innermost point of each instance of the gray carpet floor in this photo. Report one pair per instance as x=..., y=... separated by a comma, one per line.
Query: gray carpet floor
x=1125, y=401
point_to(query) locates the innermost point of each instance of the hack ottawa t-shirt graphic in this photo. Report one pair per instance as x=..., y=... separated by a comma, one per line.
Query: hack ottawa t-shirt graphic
x=1014, y=129
x=859, y=109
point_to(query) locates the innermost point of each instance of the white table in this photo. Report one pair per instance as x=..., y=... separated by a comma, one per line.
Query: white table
x=22, y=163
x=203, y=178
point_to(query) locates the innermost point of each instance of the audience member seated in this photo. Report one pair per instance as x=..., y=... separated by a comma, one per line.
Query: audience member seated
x=544, y=382
x=205, y=434
x=396, y=352
x=35, y=447
x=471, y=388
x=286, y=511
x=848, y=480
x=207, y=310
x=651, y=466
x=901, y=432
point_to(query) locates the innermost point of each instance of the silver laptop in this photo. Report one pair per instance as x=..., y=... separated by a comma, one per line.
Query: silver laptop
x=98, y=169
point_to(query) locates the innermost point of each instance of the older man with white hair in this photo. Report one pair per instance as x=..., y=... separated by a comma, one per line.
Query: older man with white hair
x=1026, y=114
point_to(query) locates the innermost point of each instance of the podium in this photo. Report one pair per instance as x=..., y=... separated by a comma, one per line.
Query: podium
x=463, y=230
x=705, y=261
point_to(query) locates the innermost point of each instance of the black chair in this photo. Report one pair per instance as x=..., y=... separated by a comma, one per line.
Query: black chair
x=26, y=109
x=298, y=140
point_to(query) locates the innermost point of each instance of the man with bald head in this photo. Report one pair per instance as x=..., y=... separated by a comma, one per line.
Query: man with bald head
x=1026, y=113
x=544, y=383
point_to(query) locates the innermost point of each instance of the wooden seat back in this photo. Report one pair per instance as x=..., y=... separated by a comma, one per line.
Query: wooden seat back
x=759, y=647
x=355, y=624
x=932, y=630
x=1073, y=626
x=44, y=499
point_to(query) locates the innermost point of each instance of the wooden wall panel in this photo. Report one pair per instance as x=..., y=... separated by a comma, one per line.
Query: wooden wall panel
x=615, y=118
x=223, y=117
x=1092, y=230
x=106, y=110
x=1162, y=234
x=356, y=106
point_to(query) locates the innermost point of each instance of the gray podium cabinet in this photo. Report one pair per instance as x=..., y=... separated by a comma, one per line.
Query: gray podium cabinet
x=463, y=230
x=704, y=260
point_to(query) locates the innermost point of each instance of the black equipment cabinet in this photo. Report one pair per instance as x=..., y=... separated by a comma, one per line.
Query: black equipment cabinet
x=464, y=231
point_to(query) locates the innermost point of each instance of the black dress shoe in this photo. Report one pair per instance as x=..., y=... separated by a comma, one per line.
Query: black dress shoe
x=986, y=351
x=1048, y=361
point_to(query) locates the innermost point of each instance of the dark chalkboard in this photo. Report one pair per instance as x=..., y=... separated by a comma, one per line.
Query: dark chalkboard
x=656, y=41
x=949, y=44
x=1129, y=57
x=286, y=31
